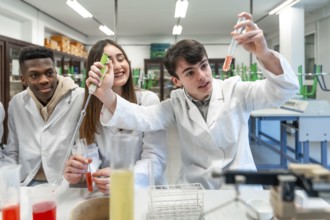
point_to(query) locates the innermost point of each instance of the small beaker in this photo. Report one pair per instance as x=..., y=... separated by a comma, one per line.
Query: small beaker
x=10, y=191
x=43, y=201
x=122, y=178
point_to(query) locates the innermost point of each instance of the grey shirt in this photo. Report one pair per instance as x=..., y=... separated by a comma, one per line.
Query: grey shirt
x=203, y=106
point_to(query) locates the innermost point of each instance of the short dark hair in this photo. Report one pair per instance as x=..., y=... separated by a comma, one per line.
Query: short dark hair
x=35, y=52
x=190, y=50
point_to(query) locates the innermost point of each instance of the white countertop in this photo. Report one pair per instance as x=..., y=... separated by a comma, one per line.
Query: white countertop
x=71, y=197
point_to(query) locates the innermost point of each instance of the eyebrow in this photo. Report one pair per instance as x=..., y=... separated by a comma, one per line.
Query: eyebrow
x=37, y=71
x=118, y=55
x=201, y=63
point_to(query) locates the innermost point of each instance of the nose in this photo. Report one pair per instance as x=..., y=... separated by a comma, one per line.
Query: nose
x=201, y=75
x=43, y=79
x=115, y=64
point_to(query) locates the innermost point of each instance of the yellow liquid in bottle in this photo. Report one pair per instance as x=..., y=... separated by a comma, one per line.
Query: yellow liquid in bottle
x=122, y=195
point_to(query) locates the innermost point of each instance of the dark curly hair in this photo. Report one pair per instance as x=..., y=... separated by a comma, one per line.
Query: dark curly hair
x=35, y=52
x=191, y=51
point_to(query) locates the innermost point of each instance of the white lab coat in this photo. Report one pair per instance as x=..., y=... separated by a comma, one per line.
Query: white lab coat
x=222, y=141
x=31, y=140
x=2, y=117
x=149, y=146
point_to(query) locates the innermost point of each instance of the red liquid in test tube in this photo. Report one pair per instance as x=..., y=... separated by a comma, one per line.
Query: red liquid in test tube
x=226, y=65
x=232, y=46
x=11, y=212
x=89, y=181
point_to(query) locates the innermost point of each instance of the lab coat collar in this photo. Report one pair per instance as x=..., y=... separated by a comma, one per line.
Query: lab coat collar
x=194, y=113
x=31, y=107
x=213, y=111
x=61, y=107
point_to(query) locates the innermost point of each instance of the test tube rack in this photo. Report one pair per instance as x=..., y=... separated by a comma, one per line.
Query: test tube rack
x=179, y=202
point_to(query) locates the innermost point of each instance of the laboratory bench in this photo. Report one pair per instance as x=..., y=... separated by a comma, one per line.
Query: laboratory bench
x=308, y=119
x=69, y=198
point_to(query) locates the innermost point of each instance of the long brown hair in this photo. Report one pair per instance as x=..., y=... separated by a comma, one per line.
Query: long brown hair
x=91, y=123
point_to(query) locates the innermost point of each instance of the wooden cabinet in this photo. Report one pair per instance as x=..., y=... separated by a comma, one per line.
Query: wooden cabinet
x=157, y=79
x=216, y=66
x=10, y=83
x=70, y=65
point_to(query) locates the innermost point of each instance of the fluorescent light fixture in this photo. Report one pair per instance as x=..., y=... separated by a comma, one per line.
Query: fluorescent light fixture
x=79, y=8
x=106, y=30
x=283, y=6
x=177, y=29
x=181, y=8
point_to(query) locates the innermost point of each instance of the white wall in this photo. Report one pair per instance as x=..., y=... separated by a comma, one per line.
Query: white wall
x=20, y=21
x=10, y=27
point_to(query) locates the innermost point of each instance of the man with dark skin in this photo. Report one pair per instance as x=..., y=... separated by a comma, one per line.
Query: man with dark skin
x=42, y=118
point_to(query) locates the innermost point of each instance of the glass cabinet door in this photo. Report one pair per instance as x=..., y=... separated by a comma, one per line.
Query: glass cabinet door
x=15, y=84
x=157, y=79
x=216, y=67
x=58, y=62
x=153, y=76
x=168, y=85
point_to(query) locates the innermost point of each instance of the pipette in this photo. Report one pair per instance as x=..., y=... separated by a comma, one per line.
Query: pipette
x=91, y=90
x=232, y=46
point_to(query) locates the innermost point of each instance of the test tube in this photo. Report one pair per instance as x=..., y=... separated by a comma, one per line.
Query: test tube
x=88, y=174
x=89, y=181
x=232, y=46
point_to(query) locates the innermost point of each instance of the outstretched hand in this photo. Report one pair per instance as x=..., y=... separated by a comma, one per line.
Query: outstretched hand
x=252, y=39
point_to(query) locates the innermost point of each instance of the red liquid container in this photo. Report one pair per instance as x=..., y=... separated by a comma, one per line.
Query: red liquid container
x=44, y=211
x=226, y=64
x=11, y=212
x=232, y=46
x=89, y=181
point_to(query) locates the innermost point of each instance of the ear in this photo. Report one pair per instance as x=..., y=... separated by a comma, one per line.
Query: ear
x=176, y=82
x=23, y=81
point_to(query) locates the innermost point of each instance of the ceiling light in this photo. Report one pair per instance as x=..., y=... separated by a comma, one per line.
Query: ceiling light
x=283, y=6
x=79, y=8
x=181, y=8
x=106, y=30
x=177, y=29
